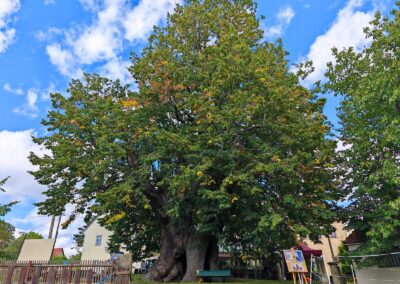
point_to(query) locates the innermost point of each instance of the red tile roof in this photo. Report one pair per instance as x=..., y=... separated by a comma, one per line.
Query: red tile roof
x=355, y=237
x=58, y=252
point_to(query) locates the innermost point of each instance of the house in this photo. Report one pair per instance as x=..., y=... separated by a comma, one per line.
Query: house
x=330, y=251
x=58, y=252
x=329, y=245
x=95, y=242
x=95, y=246
x=385, y=269
x=36, y=249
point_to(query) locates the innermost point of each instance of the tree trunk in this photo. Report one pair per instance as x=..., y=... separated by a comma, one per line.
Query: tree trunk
x=196, y=248
x=170, y=264
x=183, y=251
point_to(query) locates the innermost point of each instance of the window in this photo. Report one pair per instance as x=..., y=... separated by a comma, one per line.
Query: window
x=98, y=240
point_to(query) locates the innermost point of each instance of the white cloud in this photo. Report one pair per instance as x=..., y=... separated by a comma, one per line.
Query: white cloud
x=29, y=108
x=49, y=2
x=45, y=94
x=16, y=91
x=345, y=31
x=64, y=60
x=139, y=22
x=14, y=150
x=115, y=25
x=49, y=34
x=7, y=34
x=284, y=16
x=90, y=4
x=116, y=69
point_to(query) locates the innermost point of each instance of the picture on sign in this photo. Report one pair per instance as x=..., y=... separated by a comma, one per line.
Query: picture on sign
x=295, y=261
x=288, y=255
x=299, y=255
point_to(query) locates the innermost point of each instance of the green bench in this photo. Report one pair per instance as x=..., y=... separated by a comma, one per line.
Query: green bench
x=213, y=273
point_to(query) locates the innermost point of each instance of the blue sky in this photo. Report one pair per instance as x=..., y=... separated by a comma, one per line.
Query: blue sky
x=45, y=43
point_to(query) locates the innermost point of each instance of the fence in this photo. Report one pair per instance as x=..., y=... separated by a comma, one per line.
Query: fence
x=89, y=272
x=378, y=268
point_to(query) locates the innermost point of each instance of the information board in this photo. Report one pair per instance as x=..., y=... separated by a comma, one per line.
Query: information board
x=295, y=261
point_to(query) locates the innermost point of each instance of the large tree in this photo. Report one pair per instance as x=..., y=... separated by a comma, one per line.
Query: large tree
x=219, y=144
x=369, y=84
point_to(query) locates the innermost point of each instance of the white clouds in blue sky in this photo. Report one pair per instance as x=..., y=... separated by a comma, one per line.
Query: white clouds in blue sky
x=283, y=17
x=7, y=33
x=345, y=31
x=115, y=25
x=15, y=147
x=16, y=91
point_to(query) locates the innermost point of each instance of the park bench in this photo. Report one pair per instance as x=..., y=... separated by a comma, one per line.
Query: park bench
x=213, y=273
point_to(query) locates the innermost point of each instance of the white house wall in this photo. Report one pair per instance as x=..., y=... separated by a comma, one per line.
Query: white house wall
x=90, y=251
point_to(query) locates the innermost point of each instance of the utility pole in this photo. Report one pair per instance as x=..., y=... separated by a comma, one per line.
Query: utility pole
x=58, y=227
x=56, y=235
x=53, y=218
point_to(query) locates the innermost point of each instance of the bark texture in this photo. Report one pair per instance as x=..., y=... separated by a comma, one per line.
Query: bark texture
x=183, y=251
x=182, y=254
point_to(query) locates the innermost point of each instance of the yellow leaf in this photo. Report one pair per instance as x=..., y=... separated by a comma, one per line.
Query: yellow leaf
x=276, y=158
x=130, y=103
x=116, y=218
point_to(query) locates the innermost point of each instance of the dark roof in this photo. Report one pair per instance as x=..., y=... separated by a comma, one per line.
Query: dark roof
x=58, y=252
x=307, y=251
x=355, y=237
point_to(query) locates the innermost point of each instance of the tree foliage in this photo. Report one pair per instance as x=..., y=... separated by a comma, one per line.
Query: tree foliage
x=5, y=208
x=219, y=144
x=6, y=229
x=369, y=83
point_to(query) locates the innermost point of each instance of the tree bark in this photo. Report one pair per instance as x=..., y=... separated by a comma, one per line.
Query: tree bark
x=196, y=248
x=183, y=250
x=169, y=266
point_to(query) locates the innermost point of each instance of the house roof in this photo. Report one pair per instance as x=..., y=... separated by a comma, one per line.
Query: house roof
x=90, y=224
x=307, y=251
x=58, y=252
x=36, y=249
x=355, y=237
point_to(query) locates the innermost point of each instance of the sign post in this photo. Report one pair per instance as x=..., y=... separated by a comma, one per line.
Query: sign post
x=296, y=264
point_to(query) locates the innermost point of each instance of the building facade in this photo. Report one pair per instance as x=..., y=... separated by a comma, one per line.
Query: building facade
x=95, y=242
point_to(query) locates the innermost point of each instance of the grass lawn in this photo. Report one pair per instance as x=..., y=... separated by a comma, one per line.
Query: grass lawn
x=139, y=279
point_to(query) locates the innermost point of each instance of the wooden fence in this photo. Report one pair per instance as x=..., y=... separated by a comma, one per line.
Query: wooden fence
x=90, y=272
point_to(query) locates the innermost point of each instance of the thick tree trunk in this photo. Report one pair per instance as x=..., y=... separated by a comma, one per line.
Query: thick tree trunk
x=182, y=252
x=181, y=255
x=196, y=248
x=170, y=264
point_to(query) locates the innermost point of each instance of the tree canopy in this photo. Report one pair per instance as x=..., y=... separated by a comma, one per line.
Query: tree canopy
x=6, y=229
x=219, y=133
x=5, y=208
x=369, y=84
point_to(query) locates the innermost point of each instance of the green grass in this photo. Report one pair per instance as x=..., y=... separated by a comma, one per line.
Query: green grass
x=139, y=279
